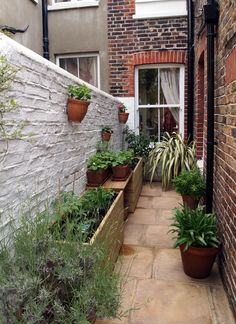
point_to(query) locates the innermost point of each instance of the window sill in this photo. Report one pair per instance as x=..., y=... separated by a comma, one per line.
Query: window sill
x=161, y=15
x=73, y=5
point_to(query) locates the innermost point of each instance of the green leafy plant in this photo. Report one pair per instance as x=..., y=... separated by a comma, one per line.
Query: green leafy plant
x=9, y=129
x=138, y=143
x=99, y=161
x=107, y=129
x=190, y=183
x=174, y=155
x=75, y=215
x=81, y=92
x=46, y=282
x=194, y=228
x=121, y=108
x=121, y=158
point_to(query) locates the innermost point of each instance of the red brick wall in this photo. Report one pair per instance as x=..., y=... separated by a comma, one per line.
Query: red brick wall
x=128, y=37
x=224, y=199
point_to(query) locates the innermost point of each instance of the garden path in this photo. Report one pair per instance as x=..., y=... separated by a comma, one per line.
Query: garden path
x=156, y=287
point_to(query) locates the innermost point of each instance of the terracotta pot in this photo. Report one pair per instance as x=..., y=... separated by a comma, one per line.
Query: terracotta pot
x=190, y=202
x=123, y=117
x=97, y=178
x=121, y=172
x=106, y=136
x=198, y=261
x=76, y=109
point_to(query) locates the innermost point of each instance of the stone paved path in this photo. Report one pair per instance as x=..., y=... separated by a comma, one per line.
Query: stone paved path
x=155, y=284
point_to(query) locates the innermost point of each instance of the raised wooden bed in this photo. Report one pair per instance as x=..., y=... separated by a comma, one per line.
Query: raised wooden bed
x=110, y=233
x=134, y=187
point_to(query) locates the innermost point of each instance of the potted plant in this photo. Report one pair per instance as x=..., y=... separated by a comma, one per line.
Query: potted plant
x=191, y=185
x=98, y=168
x=78, y=102
x=122, y=114
x=197, y=238
x=121, y=164
x=174, y=155
x=106, y=133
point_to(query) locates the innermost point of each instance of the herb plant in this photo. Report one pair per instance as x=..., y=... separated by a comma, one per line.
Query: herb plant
x=138, y=143
x=107, y=129
x=121, y=108
x=190, y=183
x=194, y=228
x=99, y=161
x=174, y=155
x=122, y=158
x=81, y=92
x=46, y=282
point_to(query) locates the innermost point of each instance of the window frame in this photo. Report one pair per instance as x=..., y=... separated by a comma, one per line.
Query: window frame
x=72, y=4
x=77, y=56
x=158, y=106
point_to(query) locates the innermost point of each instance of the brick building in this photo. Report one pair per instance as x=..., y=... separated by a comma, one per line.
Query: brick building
x=224, y=166
x=147, y=45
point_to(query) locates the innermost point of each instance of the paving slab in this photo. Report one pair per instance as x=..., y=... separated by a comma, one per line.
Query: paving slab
x=162, y=302
x=157, y=236
x=153, y=191
x=163, y=216
x=142, y=216
x=133, y=234
x=167, y=265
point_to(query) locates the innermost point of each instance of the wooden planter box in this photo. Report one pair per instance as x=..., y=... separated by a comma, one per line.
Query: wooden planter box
x=110, y=233
x=134, y=187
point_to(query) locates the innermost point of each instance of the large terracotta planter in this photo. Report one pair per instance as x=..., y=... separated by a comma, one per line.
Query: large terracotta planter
x=123, y=117
x=120, y=172
x=106, y=136
x=198, y=261
x=97, y=178
x=76, y=109
x=190, y=202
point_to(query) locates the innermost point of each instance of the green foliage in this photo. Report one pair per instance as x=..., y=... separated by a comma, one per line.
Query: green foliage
x=102, y=146
x=174, y=155
x=121, y=108
x=75, y=215
x=6, y=32
x=81, y=92
x=42, y=281
x=9, y=129
x=140, y=144
x=121, y=158
x=194, y=228
x=99, y=161
x=190, y=183
x=107, y=129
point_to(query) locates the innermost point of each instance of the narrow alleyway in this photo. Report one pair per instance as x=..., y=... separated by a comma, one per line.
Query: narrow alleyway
x=156, y=287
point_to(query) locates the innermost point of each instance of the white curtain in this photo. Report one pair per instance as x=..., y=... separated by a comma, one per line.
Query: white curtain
x=170, y=88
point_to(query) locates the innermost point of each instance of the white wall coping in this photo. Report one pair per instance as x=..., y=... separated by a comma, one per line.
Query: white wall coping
x=73, y=5
x=164, y=15
x=6, y=45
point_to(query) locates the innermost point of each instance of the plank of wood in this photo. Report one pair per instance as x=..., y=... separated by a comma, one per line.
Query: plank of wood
x=117, y=185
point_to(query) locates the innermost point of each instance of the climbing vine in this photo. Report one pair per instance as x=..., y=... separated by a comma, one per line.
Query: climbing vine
x=9, y=129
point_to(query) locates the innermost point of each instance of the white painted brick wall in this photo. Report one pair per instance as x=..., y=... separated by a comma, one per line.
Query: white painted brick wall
x=31, y=170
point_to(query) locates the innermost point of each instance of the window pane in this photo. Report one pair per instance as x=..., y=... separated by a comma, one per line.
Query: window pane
x=56, y=1
x=148, y=86
x=149, y=123
x=69, y=64
x=169, y=93
x=169, y=120
x=88, y=70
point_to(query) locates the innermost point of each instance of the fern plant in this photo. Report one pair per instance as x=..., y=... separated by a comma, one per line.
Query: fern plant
x=194, y=228
x=174, y=155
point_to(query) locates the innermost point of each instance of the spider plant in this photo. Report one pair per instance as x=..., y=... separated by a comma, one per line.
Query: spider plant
x=174, y=155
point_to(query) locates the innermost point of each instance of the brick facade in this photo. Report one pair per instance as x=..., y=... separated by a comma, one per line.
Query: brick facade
x=224, y=199
x=147, y=41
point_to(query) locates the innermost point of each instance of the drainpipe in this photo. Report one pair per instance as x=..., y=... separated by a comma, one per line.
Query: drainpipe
x=211, y=20
x=190, y=69
x=45, y=29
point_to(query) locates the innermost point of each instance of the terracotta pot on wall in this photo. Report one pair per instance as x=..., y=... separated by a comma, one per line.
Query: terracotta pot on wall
x=97, y=178
x=198, y=261
x=190, y=202
x=76, y=109
x=106, y=136
x=120, y=172
x=123, y=117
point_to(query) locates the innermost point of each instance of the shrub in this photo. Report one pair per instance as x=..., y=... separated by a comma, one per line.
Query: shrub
x=138, y=143
x=190, y=183
x=194, y=228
